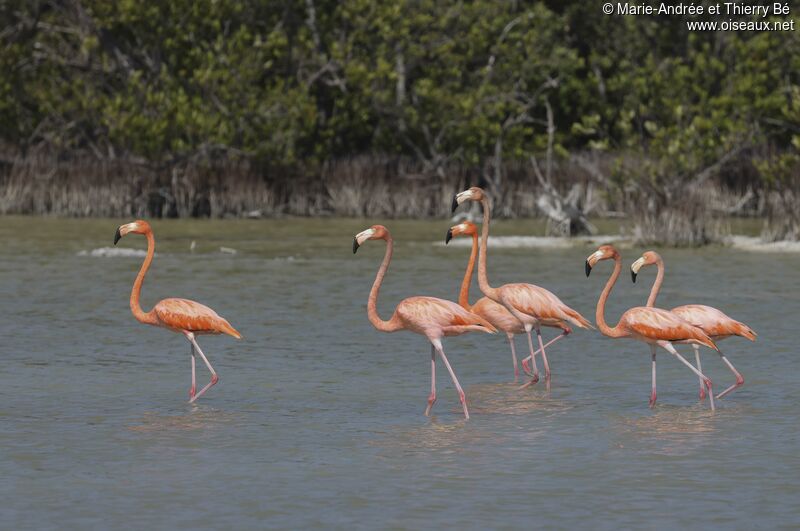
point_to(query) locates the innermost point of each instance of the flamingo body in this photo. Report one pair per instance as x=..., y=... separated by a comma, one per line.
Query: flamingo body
x=652, y=325
x=434, y=318
x=713, y=321
x=498, y=316
x=532, y=304
x=183, y=315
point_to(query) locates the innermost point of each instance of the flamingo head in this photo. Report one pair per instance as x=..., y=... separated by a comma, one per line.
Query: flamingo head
x=604, y=252
x=471, y=194
x=467, y=228
x=647, y=259
x=375, y=232
x=136, y=227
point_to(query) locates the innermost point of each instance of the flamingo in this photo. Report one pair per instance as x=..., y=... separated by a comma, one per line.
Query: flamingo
x=711, y=320
x=187, y=317
x=654, y=326
x=533, y=306
x=428, y=316
x=495, y=313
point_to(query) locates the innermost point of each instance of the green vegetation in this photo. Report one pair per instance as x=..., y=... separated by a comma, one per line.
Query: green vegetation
x=198, y=101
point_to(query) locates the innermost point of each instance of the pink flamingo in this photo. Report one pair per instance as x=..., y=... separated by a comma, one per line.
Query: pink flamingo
x=711, y=320
x=427, y=316
x=187, y=317
x=533, y=306
x=485, y=307
x=654, y=326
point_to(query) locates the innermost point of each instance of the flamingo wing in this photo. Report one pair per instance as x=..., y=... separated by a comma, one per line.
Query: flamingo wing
x=191, y=316
x=714, y=322
x=498, y=315
x=423, y=313
x=541, y=304
x=655, y=324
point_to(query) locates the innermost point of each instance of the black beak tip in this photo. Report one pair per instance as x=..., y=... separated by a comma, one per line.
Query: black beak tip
x=449, y=236
x=355, y=245
x=588, y=268
x=455, y=204
x=633, y=276
x=117, y=236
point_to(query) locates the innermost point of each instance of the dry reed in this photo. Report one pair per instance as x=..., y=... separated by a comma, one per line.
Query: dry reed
x=41, y=183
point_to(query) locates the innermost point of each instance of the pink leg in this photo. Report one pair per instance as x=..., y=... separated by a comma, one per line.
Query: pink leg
x=739, y=377
x=653, y=388
x=535, y=375
x=432, y=397
x=668, y=346
x=461, y=396
x=193, y=389
x=214, y=377
x=544, y=356
x=525, y=361
x=513, y=357
x=699, y=368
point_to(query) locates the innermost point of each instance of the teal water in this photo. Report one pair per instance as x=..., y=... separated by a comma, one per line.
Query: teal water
x=318, y=418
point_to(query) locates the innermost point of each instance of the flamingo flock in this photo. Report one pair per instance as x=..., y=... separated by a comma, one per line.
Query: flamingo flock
x=513, y=309
x=712, y=321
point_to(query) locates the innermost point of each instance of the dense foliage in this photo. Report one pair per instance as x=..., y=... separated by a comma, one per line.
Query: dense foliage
x=295, y=84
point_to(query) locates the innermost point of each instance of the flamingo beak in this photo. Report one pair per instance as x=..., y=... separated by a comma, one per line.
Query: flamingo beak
x=117, y=236
x=635, y=267
x=593, y=259
x=362, y=237
x=460, y=198
x=449, y=236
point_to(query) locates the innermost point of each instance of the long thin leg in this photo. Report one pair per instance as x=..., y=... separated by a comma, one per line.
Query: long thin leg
x=699, y=368
x=739, y=377
x=461, y=396
x=668, y=346
x=653, y=370
x=513, y=356
x=535, y=375
x=432, y=397
x=193, y=389
x=214, y=377
x=544, y=356
x=525, y=361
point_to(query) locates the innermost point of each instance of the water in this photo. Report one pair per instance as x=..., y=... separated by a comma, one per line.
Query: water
x=318, y=418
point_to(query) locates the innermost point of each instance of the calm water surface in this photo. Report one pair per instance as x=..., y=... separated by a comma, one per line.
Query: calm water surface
x=318, y=418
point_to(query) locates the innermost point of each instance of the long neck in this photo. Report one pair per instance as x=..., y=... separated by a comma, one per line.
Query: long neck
x=651, y=300
x=463, y=296
x=136, y=308
x=483, y=280
x=372, y=303
x=601, y=304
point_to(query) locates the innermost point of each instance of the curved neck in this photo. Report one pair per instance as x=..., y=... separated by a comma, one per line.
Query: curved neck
x=483, y=280
x=372, y=302
x=463, y=296
x=651, y=300
x=138, y=313
x=601, y=304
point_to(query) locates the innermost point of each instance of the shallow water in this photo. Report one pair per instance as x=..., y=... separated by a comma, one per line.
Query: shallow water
x=318, y=418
